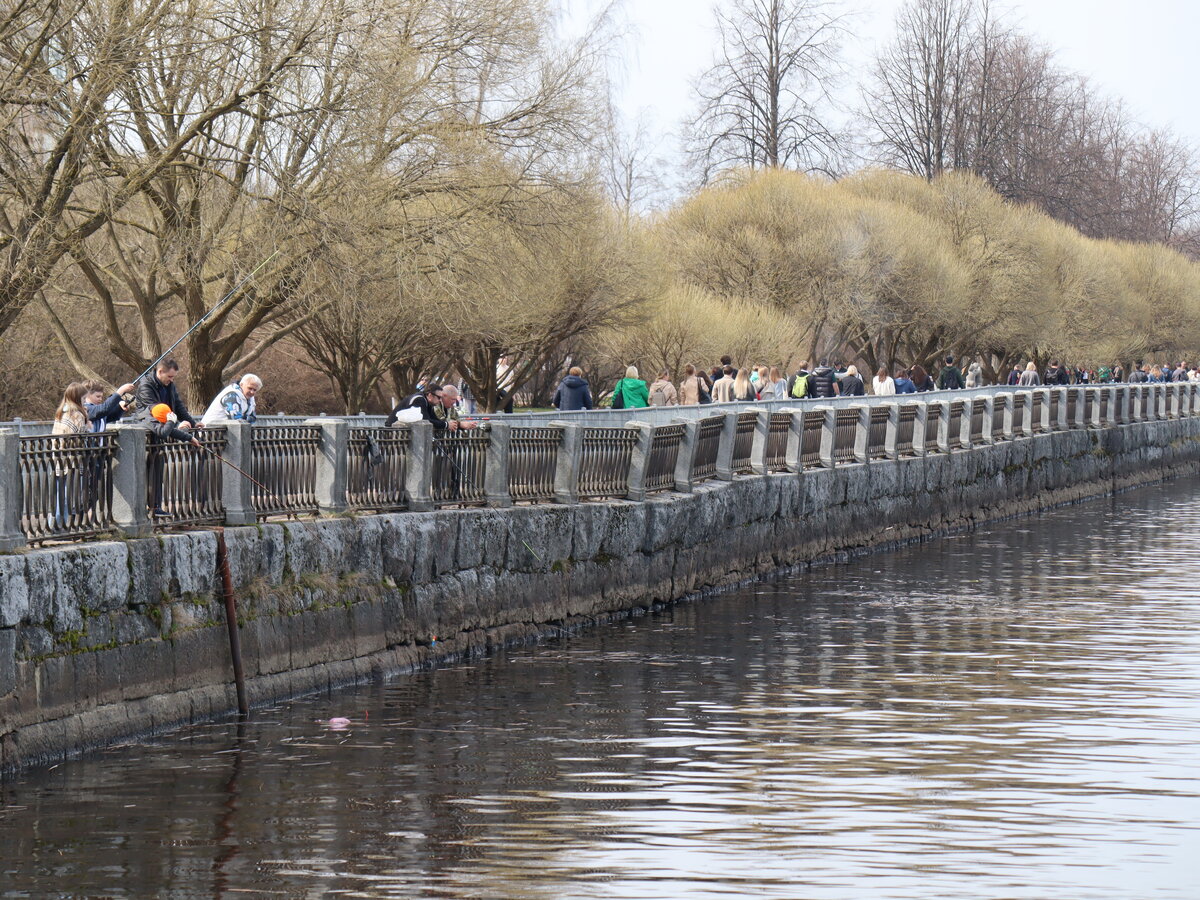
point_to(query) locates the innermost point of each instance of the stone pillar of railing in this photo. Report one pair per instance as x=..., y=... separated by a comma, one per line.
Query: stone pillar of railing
x=828, y=436
x=891, y=432
x=942, y=409
x=1175, y=401
x=1008, y=420
x=1188, y=406
x=1024, y=424
x=1120, y=400
x=1079, y=397
x=762, y=437
x=987, y=434
x=418, y=478
x=639, y=460
x=1137, y=409
x=793, y=455
x=1150, y=404
x=495, y=466
x=726, y=447
x=685, y=462
x=1111, y=417
x=11, y=535
x=862, y=433
x=964, y=424
x=331, y=464
x=1095, y=419
x=1162, y=401
x=236, y=492
x=129, y=509
x=570, y=460
x=1044, y=411
x=920, y=426
x=1062, y=422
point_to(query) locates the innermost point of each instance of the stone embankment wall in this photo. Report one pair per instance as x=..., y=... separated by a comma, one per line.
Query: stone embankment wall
x=104, y=641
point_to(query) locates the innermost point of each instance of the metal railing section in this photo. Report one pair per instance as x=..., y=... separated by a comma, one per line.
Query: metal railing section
x=533, y=462
x=904, y=430
x=604, y=463
x=183, y=484
x=810, y=439
x=843, y=443
x=377, y=468
x=877, y=434
x=66, y=483
x=777, y=438
x=743, y=440
x=933, y=418
x=285, y=462
x=664, y=454
x=459, y=463
x=708, y=442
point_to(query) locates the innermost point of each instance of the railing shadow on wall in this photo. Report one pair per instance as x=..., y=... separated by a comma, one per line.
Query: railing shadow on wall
x=86, y=486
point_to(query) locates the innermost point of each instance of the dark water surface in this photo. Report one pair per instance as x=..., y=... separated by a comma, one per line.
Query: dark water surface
x=1013, y=713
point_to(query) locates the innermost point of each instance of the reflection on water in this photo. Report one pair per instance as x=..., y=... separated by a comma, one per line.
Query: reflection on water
x=1013, y=713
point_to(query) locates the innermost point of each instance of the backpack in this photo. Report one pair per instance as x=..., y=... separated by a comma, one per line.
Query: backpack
x=800, y=387
x=658, y=397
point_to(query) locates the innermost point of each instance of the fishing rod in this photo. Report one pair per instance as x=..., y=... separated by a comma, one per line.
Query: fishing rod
x=475, y=486
x=220, y=303
x=239, y=470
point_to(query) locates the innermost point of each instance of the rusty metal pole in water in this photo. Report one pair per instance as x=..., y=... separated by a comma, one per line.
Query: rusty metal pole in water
x=235, y=640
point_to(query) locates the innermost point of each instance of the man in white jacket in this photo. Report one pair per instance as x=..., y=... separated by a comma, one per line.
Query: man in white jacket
x=235, y=403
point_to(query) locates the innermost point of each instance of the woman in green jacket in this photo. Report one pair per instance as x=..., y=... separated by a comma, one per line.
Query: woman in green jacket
x=631, y=392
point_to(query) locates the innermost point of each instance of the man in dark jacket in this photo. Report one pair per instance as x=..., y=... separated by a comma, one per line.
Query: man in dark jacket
x=823, y=381
x=159, y=387
x=1056, y=374
x=434, y=404
x=573, y=392
x=950, y=378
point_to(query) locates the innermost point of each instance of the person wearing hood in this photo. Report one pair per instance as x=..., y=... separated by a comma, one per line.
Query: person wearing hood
x=904, y=384
x=662, y=392
x=630, y=392
x=573, y=392
x=974, y=375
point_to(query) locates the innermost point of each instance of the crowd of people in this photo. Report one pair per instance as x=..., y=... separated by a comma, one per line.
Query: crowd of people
x=727, y=383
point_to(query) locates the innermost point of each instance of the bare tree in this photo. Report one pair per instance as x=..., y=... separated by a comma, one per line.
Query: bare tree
x=765, y=101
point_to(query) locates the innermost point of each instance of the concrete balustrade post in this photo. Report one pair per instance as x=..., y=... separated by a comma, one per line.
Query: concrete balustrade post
x=1025, y=418
x=987, y=433
x=331, y=465
x=639, y=460
x=1062, y=421
x=862, y=433
x=495, y=466
x=828, y=436
x=1078, y=396
x=1095, y=419
x=570, y=460
x=1137, y=408
x=1043, y=420
x=758, y=446
x=942, y=409
x=920, y=426
x=1121, y=400
x=1189, y=400
x=237, y=493
x=685, y=463
x=891, y=434
x=1008, y=424
x=726, y=447
x=1162, y=401
x=795, y=440
x=11, y=535
x=129, y=509
x=1112, y=415
x=964, y=424
x=1173, y=408
x=418, y=478
x=1150, y=405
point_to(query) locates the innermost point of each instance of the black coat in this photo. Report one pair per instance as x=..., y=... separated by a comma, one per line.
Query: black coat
x=421, y=402
x=149, y=393
x=821, y=382
x=852, y=386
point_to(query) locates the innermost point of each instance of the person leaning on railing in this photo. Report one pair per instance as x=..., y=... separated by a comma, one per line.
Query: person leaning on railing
x=101, y=412
x=69, y=419
x=235, y=403
x=434, y=405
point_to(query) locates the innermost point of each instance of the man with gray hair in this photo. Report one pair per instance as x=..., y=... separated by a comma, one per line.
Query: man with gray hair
x=235, y=403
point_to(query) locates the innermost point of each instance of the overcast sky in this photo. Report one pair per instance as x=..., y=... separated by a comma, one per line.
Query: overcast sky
x=1143, y=52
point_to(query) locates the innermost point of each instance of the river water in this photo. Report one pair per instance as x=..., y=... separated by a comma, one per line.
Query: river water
x=1011, y=713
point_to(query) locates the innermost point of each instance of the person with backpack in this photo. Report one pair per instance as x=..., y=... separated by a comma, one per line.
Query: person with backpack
x=662, y=392
x=799, y=385
x=1056, y=374
x=951, y=377
x=630, y=392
